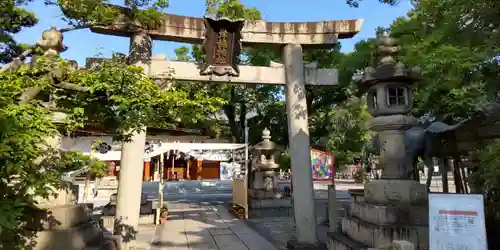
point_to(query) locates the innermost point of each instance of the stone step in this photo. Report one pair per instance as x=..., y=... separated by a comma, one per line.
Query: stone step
x=109, y=221
x=339, y=241
x=390, y=215
x=270, y=212
x=77, y=237
x=379, y=236
x=106, y=242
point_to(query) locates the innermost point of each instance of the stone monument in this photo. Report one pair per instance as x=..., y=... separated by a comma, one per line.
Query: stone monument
x=59, y=222
x=395, y=206
x=265, y=199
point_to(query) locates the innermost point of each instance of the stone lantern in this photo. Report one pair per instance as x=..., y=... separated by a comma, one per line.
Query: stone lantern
x=265, y=176
x=395, y=206
x=265, y=198
x=389, y=99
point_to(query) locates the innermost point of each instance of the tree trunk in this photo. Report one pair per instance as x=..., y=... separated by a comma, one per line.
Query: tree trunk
x=243, y=117
x=230, y=112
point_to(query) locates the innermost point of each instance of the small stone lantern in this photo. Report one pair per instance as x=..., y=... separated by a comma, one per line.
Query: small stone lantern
x=264, y=168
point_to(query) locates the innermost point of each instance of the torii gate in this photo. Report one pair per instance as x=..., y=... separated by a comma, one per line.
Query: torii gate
x=222, y=39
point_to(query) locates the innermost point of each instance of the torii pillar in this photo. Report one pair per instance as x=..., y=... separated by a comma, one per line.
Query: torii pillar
x=128, y=204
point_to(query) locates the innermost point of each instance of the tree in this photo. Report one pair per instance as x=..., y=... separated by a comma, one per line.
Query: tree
x=12, y=20
x=355, y=3
x=454, y=42
x=34, y=95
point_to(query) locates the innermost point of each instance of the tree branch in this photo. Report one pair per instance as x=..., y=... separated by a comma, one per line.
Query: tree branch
x=18, y=61
x=31, y=93
x=28, y=95
x=77, y=27
x=72, y=86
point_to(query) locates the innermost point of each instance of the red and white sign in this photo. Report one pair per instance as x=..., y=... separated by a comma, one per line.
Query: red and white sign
x=456, y=222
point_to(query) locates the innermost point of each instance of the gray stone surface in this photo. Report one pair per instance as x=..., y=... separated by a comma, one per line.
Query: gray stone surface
x=280, y=230
x=382, y=236
x=390, y=215
x=206, y=227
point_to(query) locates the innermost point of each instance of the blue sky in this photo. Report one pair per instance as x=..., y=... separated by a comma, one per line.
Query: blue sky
x=83, y=43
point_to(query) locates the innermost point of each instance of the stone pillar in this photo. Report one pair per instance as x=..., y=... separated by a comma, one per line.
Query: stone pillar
x=298, y=138
x=333, y=218
x=132, y=159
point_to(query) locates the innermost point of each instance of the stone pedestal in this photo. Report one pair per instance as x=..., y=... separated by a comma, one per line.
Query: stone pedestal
x=61, y=224
x=391, y=210
x=386, y=192
x=265, y=199
x=269, y=207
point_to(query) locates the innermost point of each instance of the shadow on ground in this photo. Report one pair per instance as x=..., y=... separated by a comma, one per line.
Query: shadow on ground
x=197, y=226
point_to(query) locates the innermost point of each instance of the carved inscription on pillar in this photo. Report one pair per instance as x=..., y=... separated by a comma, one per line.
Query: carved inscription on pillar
x=222, y=47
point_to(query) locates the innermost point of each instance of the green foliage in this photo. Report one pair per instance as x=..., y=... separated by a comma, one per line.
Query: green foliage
x=30, y=166
x=355, y=3
x=454, y=42
x=284, y=161
x=232, y=9
x=12, y=20
x=118, y=96
x=346, y=129
x=487, y=176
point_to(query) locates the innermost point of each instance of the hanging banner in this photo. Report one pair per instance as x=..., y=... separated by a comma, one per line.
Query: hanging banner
x=322, y=165
x=456, y=221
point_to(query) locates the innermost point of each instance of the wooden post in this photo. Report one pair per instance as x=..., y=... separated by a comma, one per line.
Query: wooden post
x=87, y=175
x=199, y=168
x=173, y=164
x=456, y=176
x=147, y=171
x=464, y=179
x=187, y=169
x=160, y=190
x=443, y=165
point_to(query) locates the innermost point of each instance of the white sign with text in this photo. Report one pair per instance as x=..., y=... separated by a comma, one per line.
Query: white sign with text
x=456, y=222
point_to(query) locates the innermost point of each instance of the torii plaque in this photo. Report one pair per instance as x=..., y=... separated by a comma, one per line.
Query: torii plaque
x=222, y=46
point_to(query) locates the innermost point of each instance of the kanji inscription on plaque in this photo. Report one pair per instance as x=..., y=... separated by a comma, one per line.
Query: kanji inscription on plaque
x=222, y=47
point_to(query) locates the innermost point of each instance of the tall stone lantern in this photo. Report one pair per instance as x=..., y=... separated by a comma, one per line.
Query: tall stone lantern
x=389, y=99
x=394, y=207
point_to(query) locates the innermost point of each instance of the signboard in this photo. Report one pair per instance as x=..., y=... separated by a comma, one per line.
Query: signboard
x=222, y=47
x=456, y=222
x=322, y=165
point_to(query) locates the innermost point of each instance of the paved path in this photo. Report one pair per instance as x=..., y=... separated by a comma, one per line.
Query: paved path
x=208, y=227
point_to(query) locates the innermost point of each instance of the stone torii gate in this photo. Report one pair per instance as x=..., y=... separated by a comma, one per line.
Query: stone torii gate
x=222, y=39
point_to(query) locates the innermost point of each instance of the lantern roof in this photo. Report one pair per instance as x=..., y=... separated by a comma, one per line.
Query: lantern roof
x=388, y=69
x=266, y=144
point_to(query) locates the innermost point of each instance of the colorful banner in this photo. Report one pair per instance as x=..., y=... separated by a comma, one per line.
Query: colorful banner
x=322, y=165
